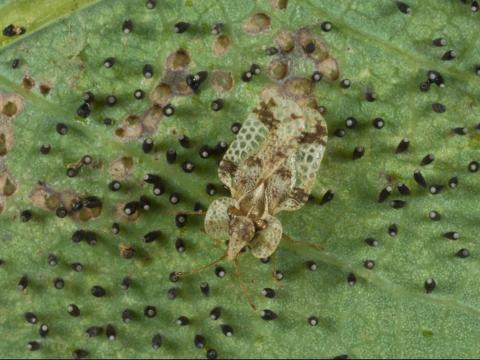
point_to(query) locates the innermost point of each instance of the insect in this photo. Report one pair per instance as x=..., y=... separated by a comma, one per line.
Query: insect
x=269, y=168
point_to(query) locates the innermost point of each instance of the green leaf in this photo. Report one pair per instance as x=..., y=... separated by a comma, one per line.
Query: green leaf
x=387, y=313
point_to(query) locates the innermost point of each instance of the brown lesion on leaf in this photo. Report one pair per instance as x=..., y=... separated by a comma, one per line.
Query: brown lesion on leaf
x=281, y=91
x=120, y=168
x=45, y=88
x=151, y=118
x=28, y=82
x=135, y=127
x=279, y=4
x=308, y=102
x=9, y=109
x=293, y=47
x=278, y=69
x=47, y=198
x=173, y=80
x=8, y=185
x=222, y=81
x=220, y=45
x=298, y=87
x=178, y=60
x=11, y=105
x=3, y=144
x=329, y=68
x=177, y=83
x=305, y=38
x=131, y=128
x=161, y=94
x=265, y=114
x=6, y=137
x=285, y=41
x=257, y=23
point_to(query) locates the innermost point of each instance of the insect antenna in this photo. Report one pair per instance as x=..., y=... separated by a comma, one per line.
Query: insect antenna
x=302, y=243
x=198, y=213
x=200, y=269
x=273, y=259
x=245, y=291
x=194, y=213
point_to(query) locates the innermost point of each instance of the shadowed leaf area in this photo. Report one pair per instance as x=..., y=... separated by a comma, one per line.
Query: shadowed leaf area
x=397, y=277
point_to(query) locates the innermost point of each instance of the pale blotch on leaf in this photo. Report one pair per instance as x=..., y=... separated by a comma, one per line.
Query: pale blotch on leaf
x=305, y=38
x=285, y=41
x=173, y=81
x=281, y=90
x=85, y=213
x=178, y=83
x=222, y=81
x=135, y=127
x=151, y=119
x=120, y=168
x=278, y=69
x=178, y=60
x=11, y=105
x=131, y=128
x=329, y=68
x=8, y=185
x=257, y=23
x=161, y=94
x=279, y=4
x=45, y=197
x=298, y=87
x=220, y=45
x=6, y=138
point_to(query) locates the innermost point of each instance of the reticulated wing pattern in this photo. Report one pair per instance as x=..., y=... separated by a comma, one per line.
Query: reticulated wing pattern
x=217, y=219
x=249, y=139
x=247, y=176
x=266, y=126
x=281, y=144
x=282, y=141
x=266, y=241
x=305, y=161
x=278, y=188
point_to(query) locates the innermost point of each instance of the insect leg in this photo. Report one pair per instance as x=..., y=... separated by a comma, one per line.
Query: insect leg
x=245, y=291
x=200, y=269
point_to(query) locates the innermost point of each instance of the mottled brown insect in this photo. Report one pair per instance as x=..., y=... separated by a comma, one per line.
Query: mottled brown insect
x=270, y=167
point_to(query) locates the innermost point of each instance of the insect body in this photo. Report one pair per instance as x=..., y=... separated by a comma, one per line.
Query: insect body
x=270, y=167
